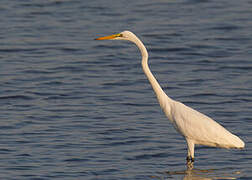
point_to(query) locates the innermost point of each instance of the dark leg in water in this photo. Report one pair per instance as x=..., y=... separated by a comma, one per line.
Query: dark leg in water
x=189, y=159
x=189, y=162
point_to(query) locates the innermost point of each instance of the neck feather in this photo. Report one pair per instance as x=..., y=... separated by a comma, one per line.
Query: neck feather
x=161, y=96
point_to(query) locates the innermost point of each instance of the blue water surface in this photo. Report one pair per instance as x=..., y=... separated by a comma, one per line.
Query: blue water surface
x=75, y=108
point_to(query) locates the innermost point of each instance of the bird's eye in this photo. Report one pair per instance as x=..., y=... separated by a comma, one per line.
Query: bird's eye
x=120, y=35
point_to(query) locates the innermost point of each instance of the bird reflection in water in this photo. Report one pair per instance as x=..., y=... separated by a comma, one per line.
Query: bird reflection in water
x=200, y=174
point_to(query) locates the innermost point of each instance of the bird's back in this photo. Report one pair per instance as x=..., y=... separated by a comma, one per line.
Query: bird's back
x=202, y=129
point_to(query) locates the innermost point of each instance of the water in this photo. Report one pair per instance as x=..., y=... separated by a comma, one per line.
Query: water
x=75, y=108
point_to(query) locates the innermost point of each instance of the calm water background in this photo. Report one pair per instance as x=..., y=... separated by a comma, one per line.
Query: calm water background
x=75, y=108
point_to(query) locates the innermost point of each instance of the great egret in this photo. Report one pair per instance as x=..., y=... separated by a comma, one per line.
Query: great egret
x=196, y=127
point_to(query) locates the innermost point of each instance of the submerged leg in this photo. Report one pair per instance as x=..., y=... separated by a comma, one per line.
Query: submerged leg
x=190, y=150
x=189, y=159
x=189, y=165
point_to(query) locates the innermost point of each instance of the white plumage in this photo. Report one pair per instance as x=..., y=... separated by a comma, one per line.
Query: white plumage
x=196, y=127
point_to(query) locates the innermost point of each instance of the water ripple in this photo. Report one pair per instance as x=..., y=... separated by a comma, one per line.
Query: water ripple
x=75, y=108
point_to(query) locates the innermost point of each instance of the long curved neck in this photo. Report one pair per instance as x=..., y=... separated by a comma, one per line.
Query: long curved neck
x=161, y=96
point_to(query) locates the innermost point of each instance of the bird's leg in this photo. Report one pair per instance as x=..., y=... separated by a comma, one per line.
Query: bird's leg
x=190, y=151
x=189, y=159
x=189, y=163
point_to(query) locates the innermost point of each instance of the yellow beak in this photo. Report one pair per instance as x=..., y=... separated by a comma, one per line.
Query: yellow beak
x=109, y=37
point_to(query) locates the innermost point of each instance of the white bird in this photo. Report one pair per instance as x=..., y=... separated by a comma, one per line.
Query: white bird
x=194, y=126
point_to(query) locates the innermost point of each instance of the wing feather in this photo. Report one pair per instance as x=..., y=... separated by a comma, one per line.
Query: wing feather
x=201, y=128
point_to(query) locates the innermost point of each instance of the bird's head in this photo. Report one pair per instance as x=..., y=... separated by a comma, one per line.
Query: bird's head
x=125, y=35
x=128, y=36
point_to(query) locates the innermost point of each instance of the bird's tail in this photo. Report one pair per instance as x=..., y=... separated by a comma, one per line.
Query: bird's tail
x=237, y=143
